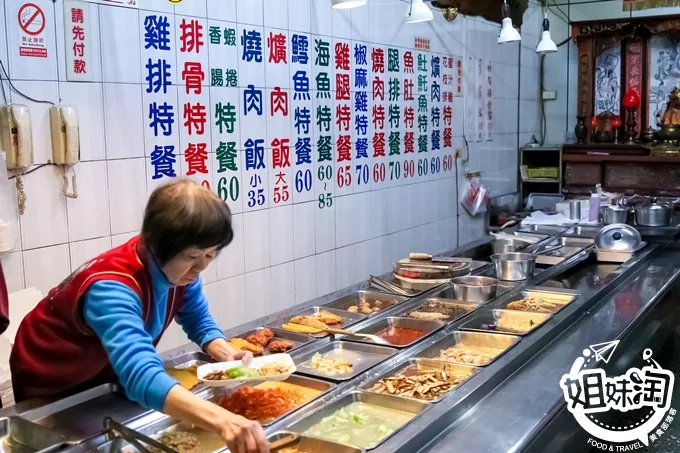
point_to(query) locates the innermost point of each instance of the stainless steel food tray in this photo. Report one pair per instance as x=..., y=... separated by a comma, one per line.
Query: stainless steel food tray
x=429, y=327
x=448, y=293
x=279, y=334
x=210, y=442
x=21, y=436
x=80, y=416
x=415, y=408
x=349, y=318
x=569, y=247
x=370, y=297
x=362, y=356
x=583, y=232
x=562, y=298
x=413, y=289
x=469, y=307
x=216, y=394
x=542, y=229
x=470, y=339
x=483, y=321
x=615, y=256
x=312, y=444
x=413, y=367
x=197, y=358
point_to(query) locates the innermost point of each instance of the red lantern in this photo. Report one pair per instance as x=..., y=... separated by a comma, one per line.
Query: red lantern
x=593, y=122
x=631, y=100
x=616, y=121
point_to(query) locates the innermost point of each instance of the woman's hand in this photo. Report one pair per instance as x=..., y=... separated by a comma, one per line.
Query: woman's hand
x=243, y=436
x=222, y=351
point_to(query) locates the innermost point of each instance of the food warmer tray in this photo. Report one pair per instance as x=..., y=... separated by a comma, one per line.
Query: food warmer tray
x=370, y=297
x=415, y=408
x=362, y=356
x=487, y=321
x=615, y=256
x=568, y=248
x=469, y=307
x=589, y=232
x=21, y=436
x=502, y=288
x=413, y=289
x=561, y=298
x=79, y=417
x=412, y=366
x=312, y=444
x=542, y=229
x=279, y=334
x=429, y=327
x=470, y=339
x=196, y=358
x=349, y=318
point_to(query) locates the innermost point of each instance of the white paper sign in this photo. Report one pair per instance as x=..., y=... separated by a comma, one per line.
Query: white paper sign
x=32, y=24
x=78, y=41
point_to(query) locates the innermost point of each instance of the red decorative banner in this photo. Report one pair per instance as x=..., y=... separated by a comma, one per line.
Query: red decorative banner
x=634, y=73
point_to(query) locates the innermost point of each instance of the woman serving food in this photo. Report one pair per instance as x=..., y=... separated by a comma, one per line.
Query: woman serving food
x=103, y=322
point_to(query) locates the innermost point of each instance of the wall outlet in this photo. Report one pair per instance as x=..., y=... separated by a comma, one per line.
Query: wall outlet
x=459, y=153
x=549, y=95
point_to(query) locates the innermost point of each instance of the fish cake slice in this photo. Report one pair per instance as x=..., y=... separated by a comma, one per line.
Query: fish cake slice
x=309, y=321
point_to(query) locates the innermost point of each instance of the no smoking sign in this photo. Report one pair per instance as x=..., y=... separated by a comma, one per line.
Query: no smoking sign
x=32, y=22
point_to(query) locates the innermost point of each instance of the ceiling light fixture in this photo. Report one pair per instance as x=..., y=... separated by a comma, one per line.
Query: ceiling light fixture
x=417, y=11
x=508, y=32
x=346, y=4
x=547, y=45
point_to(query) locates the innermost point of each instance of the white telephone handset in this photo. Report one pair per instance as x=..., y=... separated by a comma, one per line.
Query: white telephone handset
x=65, y=135
x=16, y=136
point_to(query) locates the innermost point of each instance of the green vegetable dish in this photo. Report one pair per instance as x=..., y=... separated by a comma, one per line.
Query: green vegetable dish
x=360, y=424
x=240, y=371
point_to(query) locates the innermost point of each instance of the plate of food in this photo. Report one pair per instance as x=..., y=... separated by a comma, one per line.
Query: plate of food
x=275, y=367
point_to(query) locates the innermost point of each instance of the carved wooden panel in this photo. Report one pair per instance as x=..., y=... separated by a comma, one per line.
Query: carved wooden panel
x=585, y=174
x=653, y=178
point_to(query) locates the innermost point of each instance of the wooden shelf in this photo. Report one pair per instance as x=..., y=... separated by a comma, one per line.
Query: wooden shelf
x=542, y=180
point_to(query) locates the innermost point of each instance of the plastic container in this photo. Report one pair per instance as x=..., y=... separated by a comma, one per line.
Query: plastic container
x=594, y=207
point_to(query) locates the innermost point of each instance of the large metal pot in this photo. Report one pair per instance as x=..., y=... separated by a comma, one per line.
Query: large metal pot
x=615, y=214
x=654, y=214
x=475, y=289
x=507, y=245
x=514, y=267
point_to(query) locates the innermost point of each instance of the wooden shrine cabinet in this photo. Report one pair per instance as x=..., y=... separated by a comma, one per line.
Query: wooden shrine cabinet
x=615, y=56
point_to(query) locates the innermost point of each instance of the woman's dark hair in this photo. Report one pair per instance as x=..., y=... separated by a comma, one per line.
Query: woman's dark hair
x=183, y=214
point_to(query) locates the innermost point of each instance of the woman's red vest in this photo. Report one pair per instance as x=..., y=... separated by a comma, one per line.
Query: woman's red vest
x=55, y=352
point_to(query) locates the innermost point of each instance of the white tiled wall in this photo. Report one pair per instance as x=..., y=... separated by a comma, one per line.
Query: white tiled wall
x=283, y=255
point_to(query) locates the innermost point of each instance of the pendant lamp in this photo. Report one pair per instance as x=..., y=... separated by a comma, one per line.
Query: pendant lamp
x=346, y=4
x=417, y=11
x=508, y=32
x=547, y=45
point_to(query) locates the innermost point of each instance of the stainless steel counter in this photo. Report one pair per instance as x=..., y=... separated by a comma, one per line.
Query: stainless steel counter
x=513, y=403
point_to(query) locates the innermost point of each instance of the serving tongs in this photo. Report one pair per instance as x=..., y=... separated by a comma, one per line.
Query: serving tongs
x=290, y=439
x=134, y=438
x=387, y=286
x=373, y=338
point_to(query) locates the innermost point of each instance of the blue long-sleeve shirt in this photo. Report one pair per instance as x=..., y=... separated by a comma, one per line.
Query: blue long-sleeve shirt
x=114, y=311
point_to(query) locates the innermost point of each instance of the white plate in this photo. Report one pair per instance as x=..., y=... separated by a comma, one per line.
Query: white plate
x=257, y=363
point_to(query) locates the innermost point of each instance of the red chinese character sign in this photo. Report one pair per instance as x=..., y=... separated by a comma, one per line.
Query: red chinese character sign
x=77, y=41
x=33, y=41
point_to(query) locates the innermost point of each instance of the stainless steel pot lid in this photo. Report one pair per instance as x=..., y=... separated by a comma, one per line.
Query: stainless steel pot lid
x=655, y=205
x=618, y=236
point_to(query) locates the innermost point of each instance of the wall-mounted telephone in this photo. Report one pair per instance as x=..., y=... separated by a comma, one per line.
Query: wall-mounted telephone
x=16, y=136
x=65, y=135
